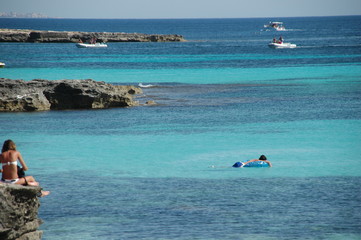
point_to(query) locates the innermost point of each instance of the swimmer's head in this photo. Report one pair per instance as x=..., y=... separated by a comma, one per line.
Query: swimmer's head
x=262, y=157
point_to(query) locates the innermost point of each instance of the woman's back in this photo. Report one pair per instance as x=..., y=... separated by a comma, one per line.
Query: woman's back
x=9, y=164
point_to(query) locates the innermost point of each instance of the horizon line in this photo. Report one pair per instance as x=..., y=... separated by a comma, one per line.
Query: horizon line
x=180, y=18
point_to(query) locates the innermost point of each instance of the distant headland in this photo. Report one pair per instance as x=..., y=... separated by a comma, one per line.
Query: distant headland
x=25, y=35
x=21, y=15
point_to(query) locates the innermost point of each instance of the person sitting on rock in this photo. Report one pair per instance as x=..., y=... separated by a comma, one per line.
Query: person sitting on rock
x=9, y=158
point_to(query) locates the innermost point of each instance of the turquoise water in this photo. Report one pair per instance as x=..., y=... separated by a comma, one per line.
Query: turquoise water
x=319, y=73
x=160, y=146
x=163, y=172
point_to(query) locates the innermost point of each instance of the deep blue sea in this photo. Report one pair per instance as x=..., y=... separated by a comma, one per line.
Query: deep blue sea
x=164, y=171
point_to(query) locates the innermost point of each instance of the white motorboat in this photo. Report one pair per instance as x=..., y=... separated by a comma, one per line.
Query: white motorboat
x=281, y=45
x=278, y=26
x=2, y=64
x=91, y=45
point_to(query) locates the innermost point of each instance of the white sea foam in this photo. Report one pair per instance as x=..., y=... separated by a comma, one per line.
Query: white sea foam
x=145, y=85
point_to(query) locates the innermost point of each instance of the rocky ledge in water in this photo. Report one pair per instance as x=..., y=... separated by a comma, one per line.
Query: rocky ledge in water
x=42, y=95
x=19, y=212
x=24, y=35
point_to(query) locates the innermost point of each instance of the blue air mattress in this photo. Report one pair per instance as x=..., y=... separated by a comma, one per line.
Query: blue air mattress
x=256, y=164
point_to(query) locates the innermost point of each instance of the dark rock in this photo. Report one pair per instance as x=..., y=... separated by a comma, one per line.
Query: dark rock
x=150, y=102
x=19, y=212
x=48, y=36
x=41, y=95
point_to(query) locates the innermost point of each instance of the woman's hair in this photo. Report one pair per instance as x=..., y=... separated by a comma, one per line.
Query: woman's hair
x=8, y=145
x=262, y=157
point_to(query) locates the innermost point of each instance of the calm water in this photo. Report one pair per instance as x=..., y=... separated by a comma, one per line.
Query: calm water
x=163, y=172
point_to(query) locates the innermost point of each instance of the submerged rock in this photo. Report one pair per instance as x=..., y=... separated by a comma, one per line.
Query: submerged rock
x=19, y=212
x=41, y=95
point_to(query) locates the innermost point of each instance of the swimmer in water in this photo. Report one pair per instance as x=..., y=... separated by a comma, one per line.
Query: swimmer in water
x=262, y=158
x=254, y=162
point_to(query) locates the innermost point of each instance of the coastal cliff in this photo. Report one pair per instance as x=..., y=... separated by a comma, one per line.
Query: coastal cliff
x=19, y=212
x=42, y=95
x=24, y=35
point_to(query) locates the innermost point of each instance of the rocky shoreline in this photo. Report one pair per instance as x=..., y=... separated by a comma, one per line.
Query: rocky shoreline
x=19, y=212
x=43, y=95
x=25, y=35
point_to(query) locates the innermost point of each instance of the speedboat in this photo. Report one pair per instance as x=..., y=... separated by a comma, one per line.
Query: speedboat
x=91, y=45
x=2, y=64
x=281, y=45
x=278, y=26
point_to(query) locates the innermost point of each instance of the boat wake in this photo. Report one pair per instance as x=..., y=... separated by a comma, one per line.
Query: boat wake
x=293, y=30
x=327, y=46
x=284, y=30
x=145, y=86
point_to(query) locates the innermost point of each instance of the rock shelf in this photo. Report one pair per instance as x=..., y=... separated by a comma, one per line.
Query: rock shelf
x=19, y=212
x=42, y=95
x=25, y=35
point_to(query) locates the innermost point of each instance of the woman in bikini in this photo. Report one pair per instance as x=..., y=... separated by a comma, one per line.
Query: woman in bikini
x=9, y=158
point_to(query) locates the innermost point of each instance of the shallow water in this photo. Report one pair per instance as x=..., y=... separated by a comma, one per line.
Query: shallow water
x=163, y=172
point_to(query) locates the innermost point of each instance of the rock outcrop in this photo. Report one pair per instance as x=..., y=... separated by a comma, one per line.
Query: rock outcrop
x=19, y=35
x=19, y=212
x=42, y=95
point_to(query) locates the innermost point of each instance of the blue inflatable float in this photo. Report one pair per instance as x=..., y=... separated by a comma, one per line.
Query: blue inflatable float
x=256, y=164
x=251, y=164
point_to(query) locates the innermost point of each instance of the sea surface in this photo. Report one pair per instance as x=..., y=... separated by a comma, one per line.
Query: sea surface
x=164, y=171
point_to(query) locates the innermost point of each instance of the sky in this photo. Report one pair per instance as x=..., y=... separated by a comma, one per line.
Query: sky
x=130, y=9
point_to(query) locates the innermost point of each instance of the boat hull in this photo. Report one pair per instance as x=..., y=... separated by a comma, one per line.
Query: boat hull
x=280, y=29
x=278, y=26
x=88, y=45
x=282, y=45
